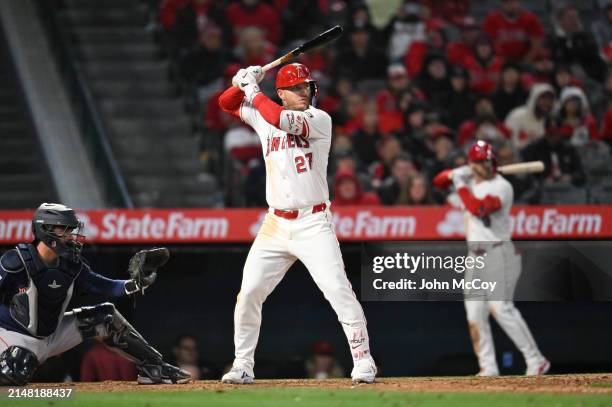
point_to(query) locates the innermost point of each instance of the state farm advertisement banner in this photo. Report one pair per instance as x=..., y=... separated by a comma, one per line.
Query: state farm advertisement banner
x=352, y=224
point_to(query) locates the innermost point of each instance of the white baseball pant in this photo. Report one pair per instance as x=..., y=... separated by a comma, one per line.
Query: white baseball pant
x=502, y=265
x=280, y=242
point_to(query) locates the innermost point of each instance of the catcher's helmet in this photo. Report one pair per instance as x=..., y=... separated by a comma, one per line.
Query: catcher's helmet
x=481, y=151
x=66, y=242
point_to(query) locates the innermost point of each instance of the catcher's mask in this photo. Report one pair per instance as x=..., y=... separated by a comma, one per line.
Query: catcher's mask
x=58, y=227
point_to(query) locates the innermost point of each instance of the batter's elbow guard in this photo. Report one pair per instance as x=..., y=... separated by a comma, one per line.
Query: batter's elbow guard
x=17, y=366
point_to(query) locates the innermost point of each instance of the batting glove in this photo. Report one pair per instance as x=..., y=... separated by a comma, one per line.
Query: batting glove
x=257, y=72
x=248, y=84
x=461, y=176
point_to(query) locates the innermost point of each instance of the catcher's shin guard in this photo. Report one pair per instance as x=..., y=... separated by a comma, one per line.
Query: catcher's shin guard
x=17, y=366
x=105, y=322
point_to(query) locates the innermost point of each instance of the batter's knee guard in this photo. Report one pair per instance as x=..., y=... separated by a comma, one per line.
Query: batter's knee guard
x=17, y=366
x=105, y=322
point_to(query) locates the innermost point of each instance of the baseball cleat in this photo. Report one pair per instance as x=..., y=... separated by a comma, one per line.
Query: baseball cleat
x=364, y=371
x=162, y=374
x=238, y=375
x=488, y=373
x=538, y=369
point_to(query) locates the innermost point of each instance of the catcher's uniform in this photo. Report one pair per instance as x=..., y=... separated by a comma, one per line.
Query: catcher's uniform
x=297, y=226
x=35, y=295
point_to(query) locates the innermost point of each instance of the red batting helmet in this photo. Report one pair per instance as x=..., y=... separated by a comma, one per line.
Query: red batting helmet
x=292, y=74
x=481, y=151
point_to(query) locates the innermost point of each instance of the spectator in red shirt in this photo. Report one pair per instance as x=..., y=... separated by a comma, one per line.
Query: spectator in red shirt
x=576, y=122
x=450, y=10
x=387, y=100
x=606, y=127
x=186, y=22
x=214, y=119
x=458, y=51
x=518, y=34
x=246, y=13
x=483, y=66
x=349, y=191
x=100, y=364
x=435, y=41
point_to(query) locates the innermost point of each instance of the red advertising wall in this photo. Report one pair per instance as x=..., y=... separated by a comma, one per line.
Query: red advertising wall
x=352, y=224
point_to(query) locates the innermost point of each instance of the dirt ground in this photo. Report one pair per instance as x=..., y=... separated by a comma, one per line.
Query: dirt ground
x=576, y=384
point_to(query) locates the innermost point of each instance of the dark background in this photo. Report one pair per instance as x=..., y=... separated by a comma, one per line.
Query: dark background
x=196, y=292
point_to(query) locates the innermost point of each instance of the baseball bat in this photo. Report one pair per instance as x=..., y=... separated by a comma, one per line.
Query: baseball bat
x=522, y=168
x=321, y=39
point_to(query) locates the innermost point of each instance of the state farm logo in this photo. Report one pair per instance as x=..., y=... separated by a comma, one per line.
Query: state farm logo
x=452, y=224
x=169, y=226
x=552, y=222
x=368, y=225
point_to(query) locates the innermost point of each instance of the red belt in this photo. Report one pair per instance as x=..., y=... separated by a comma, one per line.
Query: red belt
x=293, y=214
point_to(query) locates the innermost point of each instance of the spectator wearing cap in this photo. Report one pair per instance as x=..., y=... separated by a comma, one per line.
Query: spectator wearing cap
x=434, y=81
x=518, y=34
x=602, y=29
x=435, y=41
x=574, y=118
x=348, y=191
x=255, y=13
x=483, y=66
x=458, y=51
x=527, y=123
x=388, y=99
x=510, y=92
x=404, y=27
x=460, y=105
x=362, y=60
x=321, y=364
x=561, y=160
x=572, y=44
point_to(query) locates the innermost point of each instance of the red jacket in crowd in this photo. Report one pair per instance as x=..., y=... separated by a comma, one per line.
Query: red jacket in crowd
x=483, y=78
x=100, y=364
x=513, y=38
x=262, y=16
x=357, y=197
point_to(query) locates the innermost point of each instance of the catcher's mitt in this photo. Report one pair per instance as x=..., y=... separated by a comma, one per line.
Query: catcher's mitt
x=143, y=268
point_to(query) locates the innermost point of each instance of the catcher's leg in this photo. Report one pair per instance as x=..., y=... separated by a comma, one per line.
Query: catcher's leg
x=104, y=322
x=266, y=264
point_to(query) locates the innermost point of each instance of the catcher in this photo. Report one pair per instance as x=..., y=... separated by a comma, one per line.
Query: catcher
x=37, y=281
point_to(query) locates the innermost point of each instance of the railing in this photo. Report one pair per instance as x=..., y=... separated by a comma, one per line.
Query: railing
x=93, y=129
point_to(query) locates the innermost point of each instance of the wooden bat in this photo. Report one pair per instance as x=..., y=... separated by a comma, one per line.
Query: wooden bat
x=321, y=39
x=522, y=168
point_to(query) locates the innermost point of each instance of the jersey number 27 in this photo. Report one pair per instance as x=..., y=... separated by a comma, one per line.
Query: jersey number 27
x=300, y=163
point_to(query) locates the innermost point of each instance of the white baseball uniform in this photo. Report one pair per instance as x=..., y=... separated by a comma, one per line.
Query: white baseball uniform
x=296, y=155
x=493, y=237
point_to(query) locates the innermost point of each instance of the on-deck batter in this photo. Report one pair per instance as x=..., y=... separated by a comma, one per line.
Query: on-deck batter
x=296, y=139
x=487, y=197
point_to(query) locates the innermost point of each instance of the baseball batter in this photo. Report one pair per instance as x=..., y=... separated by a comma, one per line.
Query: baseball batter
x=296, y=139
x=487, y=198
x=37, y=281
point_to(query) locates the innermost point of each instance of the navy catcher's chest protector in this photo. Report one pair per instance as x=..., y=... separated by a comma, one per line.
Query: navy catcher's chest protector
x=40, y=307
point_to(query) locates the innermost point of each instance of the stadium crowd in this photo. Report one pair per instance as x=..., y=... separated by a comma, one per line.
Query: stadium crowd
x=409, y=97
